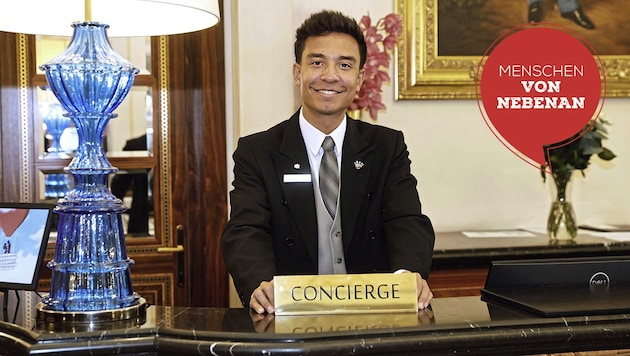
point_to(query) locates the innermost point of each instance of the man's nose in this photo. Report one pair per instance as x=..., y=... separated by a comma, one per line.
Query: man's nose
x=330, y=73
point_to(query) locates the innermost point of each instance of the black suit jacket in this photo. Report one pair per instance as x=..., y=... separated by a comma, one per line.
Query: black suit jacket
x=273, y=225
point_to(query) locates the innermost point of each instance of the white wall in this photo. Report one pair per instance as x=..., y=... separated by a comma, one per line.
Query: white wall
x=467, y=178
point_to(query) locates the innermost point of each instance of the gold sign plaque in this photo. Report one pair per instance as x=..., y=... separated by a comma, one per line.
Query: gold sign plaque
x=345, y=293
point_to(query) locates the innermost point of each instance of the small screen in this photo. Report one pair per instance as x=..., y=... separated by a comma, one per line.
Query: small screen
x=24, y=232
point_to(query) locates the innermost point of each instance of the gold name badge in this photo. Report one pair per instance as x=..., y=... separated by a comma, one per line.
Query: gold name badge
x=345, y=293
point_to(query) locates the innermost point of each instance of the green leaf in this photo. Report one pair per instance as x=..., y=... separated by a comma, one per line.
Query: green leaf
x=592, y=150
x=577, y=153
x=606, y=154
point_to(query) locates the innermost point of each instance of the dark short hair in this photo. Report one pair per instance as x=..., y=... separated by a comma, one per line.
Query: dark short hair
x=325, y=22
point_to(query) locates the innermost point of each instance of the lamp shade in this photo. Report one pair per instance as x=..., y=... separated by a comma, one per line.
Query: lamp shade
x=126, y=18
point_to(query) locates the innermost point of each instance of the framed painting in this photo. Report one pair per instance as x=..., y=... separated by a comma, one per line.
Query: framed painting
x=443, y=42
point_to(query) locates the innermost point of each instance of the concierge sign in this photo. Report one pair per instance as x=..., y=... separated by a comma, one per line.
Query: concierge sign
x=345, y=293
x=539, y=86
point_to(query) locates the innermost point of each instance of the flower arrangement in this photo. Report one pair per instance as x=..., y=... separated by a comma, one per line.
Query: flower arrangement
x=577, y=153
x=381, y=38
x=564, y=160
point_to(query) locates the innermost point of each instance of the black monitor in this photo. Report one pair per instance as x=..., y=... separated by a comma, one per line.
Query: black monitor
x=561, y=286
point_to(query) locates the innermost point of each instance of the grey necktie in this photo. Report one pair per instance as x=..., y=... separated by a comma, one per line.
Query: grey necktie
x=329, y=176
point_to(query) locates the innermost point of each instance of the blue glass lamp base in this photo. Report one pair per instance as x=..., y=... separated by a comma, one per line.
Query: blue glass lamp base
x=90, y=269
x=63, y=321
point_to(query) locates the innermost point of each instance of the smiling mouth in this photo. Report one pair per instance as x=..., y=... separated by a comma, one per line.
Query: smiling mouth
x=327, y=92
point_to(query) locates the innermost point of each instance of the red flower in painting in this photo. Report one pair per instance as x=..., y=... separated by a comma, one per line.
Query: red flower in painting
x=381, y=39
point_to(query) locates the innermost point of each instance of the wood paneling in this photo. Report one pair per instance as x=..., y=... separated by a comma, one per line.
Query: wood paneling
x=457, y=282
x=155, y=288
x=198, y=146
x=9, y=118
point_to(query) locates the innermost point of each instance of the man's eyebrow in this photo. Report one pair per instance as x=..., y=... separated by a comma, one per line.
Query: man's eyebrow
x=321, y=55
x=348, y=58
x=314, y=55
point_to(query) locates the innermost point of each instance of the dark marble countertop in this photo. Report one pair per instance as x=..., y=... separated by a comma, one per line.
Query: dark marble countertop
x=463, y=325
x=454, y=249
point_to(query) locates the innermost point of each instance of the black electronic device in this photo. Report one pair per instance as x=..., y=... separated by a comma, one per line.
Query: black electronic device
x=24, y=232
x=562, y=286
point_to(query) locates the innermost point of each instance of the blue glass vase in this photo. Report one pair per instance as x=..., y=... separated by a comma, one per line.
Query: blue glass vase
x=90, y=268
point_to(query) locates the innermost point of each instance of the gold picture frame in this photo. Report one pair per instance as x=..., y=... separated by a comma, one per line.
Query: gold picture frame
x=423, y=74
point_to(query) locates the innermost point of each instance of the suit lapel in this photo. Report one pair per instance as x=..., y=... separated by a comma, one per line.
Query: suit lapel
x=356, y=167
x=293, y=159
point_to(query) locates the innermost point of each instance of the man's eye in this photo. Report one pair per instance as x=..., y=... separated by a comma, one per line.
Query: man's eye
x=316, y=63
x=345, y=65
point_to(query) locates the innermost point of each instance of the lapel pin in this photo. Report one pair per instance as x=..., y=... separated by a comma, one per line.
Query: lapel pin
x=358, y=164
x=296, y=166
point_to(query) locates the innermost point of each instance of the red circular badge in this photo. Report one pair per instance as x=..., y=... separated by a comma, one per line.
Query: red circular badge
x=539, y=85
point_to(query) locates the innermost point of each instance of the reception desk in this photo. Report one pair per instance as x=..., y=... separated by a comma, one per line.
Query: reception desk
x=453, y=326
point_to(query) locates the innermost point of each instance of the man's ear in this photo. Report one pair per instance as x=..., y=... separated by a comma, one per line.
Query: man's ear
x=297, y=74
x=360, y=79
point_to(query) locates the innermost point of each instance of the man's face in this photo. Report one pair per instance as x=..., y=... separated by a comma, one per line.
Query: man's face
x=328, y=75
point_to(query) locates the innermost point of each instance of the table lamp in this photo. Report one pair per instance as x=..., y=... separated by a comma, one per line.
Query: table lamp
x=91, y=280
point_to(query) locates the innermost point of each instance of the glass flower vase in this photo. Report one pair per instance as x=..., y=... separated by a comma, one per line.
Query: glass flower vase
x=561, y=223
x=90, y=267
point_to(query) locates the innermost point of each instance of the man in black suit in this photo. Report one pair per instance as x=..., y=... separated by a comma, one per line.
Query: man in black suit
x=138, y=224
x=279, y=224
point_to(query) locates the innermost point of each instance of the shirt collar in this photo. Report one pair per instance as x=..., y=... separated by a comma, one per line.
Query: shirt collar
x=313, y=138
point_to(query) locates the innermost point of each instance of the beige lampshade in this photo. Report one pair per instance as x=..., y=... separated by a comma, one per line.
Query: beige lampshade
x=126, y=18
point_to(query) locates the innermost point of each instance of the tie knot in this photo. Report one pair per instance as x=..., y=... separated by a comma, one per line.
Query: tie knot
x=328, y=144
